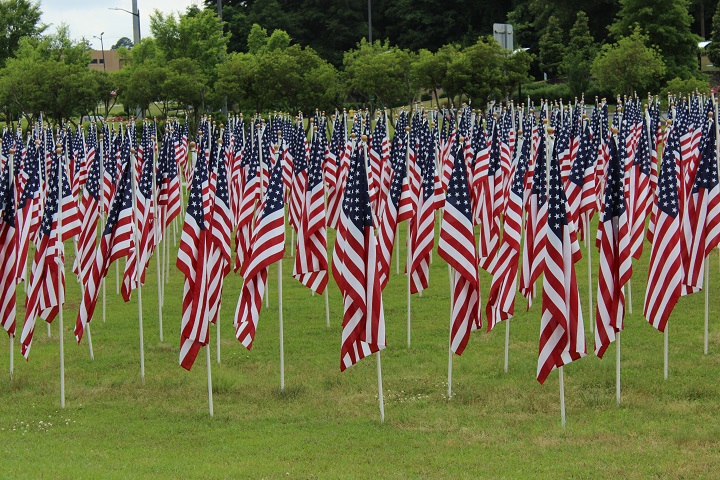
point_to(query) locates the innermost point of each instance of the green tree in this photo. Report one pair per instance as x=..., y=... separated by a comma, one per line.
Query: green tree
x=122, y=42
x=552, y=48
x=667, y=24
x=49, y=75
x=579, y=56
x=713, y=50
x=379, y=72
x=429, y=70
x=516, y=70
x=197, y=34
x=611, y=65
x=237, y=79
x=257, y=39
x=18, y=19
x=140, y=82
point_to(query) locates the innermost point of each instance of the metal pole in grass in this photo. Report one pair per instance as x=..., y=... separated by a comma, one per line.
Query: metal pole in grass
x=409, y=246
x=707, y=300
x=280, y=318
x=666, y=342
x=12, y=335
x=209, y=378
x=617, y=367
x=157, y=236
x=59, y=286
x=451, y=273
x=137, y=261
x=101, y=213
x=381, y=399
x=548, y=149
x=629, y=285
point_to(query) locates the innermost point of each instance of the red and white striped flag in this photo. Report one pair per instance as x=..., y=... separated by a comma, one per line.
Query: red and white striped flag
x=8, y=250
x=615, y=255
x=144, y=218
x=267, y=247
x=311, y=265
x=192, y=261
x=457, y=247
x=116, y=241
x=562, y=336
x=46, y=291
x=501, y=301
x=355, y=268
x=664, y=286
x=704, y=213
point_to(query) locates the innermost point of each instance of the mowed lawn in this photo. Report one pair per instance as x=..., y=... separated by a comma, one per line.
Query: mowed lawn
x=326, y=423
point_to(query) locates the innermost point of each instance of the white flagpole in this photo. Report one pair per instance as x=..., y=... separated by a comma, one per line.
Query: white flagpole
x=381, y=399
x=450, y=353
x=327, y=308
x=280, y=317
x=89, y=339
x=590, y=289
x=292, y=242
x=209, y=378
x=707, y=300
x=12, y=356
x=665, y=364
x=117, y=271
x=629, y=286
x=156, y=211
x=409, y=247
x=617, y=367
x=60, y=293
x=562, y=396
x=137, y=265
x=101, y=214
x=12, y=337
x=397, y=250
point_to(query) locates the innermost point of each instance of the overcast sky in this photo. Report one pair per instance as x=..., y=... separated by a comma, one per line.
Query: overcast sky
x=89, y=18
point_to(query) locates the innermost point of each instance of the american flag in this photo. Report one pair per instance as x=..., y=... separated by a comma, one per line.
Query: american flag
x=192, y=262
x=615, y=255
x=491, y=198
x=116, y=242
x=457, y=247
x=8, y=250
x=29, y=207
x=89, y=213
x=664, y=285
x=46, y=291
x=639, y=189
x=580, y=186
x=144, y=218
x=168, y=185
x=333, y=170
x=267, y=247
x=422, y=225
x=389, y=216
x=704, y=212
x=355, y=264
x=220, y=227
x=562, y=336
x=535, y=240
x=299, y=179
x=311, y=265
x=501, y=302
x=250, y=194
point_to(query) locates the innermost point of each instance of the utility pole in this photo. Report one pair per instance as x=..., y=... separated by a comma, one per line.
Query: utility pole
x=369, y=21
x=136, y=22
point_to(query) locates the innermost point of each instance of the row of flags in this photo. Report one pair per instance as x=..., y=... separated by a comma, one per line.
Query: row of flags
x=516, y=187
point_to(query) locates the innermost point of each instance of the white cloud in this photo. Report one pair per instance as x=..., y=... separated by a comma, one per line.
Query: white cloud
x=87, y=19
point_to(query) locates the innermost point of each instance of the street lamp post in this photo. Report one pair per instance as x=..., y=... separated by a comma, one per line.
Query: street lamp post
x=102, y=48
x=136, y=20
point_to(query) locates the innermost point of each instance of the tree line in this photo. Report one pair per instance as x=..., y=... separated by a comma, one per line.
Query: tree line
x=303, y=55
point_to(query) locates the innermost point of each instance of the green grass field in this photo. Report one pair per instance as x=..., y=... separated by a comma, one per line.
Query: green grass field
x=326, y=423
